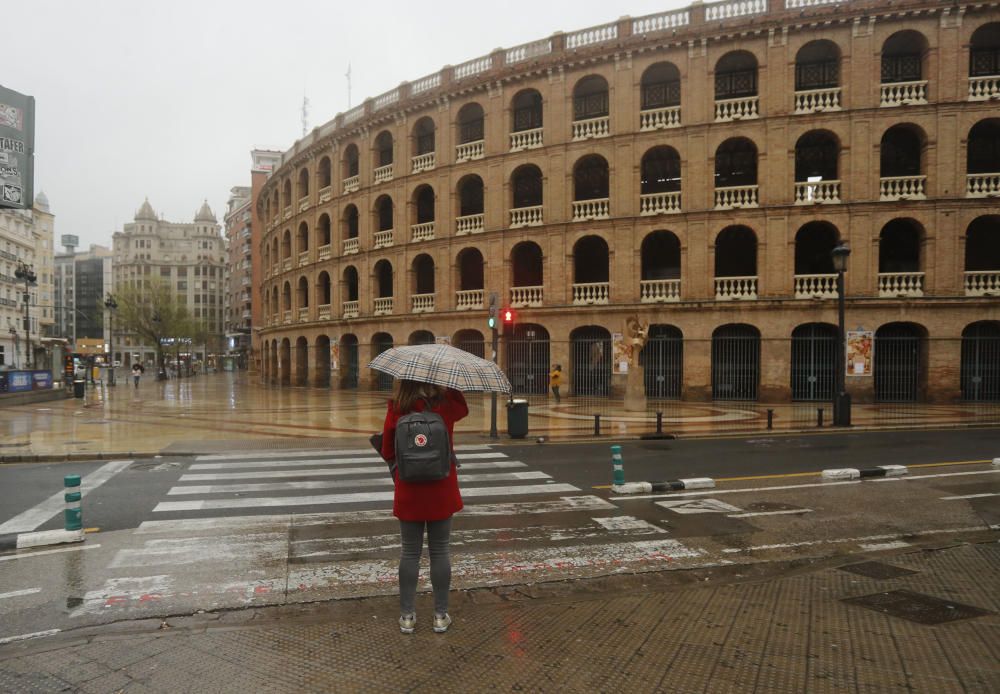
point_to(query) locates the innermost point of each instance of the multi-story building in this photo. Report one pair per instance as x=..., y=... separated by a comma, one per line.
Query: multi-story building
x=26, y=241
x=189, y=258
x=264, y=162
x=82, y=283
x=240, y=277
x=695, y=168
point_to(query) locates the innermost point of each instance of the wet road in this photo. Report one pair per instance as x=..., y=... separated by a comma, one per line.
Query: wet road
x=179, y=534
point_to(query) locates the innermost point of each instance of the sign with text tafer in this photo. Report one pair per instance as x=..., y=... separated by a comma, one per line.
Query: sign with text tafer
x=17, y=149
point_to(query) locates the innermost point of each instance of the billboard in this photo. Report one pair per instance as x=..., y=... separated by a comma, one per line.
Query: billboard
x=17, y=149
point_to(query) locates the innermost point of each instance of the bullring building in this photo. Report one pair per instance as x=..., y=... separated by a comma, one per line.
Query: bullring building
x=694, y=168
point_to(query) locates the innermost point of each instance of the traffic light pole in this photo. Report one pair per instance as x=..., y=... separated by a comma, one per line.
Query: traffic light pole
x=493, y=395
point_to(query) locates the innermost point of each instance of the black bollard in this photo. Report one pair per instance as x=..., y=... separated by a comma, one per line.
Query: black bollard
x=659, y=422
x=819, y=417
x=770, y=419
x=597, y=425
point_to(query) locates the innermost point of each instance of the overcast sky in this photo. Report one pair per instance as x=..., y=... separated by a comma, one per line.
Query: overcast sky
x=136, y=98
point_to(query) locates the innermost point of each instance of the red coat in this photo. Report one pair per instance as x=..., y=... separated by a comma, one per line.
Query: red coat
x=426, y=501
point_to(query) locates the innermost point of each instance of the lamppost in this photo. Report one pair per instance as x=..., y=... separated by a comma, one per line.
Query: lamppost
x=161, y=372
x=26, y=273
x=841, y=398
x=111, y=305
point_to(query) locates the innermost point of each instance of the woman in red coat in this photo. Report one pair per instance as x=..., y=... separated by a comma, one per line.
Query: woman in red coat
x=420, y=505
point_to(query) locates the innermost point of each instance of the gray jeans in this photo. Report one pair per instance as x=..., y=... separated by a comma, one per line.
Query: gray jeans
x=411, y=535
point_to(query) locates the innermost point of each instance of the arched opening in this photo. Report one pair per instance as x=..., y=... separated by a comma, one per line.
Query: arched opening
x=383, y=279
x=527, y=355
x=302, y=293
x=265, y=362
x=899, y=247
x=816, y=157
x=470, y=123
x=980, y=373
x=321, y=367
x=274, y=375
x=323, y=289
x=661, y=267
x=526, y=110
x=735, y=362
x=286, y=297
x=421, y=337
x=984, y=56
x=470, y=270
x=351, y=222
x=590, y=98
x=303, y=183
x=814, y=361
x=350, y=283
x=323, y=230
x=900, y=362
x=423, y=136
x=423, y=199
x=527, y=274
x=287, y=193
x=660, y=171
x=383, y=213
x=662, y=360
x=380, y=343
x=471, y=341
x=591, y=261
x=590, y=352
x=383, y=149
x=591, y=178
x=984, y=157
x=423, y=274
x=660, y=86
x=351, y=160
x=817, y=66
x=275, y=258
x=324, y=177
x=902, y=57
x=302, y=238
x=901, y=152
x=285, y=363
x=982, y=256
x=526, y=187
x=286, y=245
x=736, y=163
x=470, y=195
x=349, y=362
x=813, y=245
x=736, y=76
x=736, y=252
x=301, y=362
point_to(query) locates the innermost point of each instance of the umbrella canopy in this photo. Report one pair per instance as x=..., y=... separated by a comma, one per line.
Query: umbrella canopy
x=442, y=365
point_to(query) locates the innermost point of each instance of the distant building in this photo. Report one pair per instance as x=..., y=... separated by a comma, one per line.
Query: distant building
x=190, y=258
x=238, y=292
x=82, y=281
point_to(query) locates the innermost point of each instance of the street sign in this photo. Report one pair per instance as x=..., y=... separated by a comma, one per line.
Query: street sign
x=17, y=149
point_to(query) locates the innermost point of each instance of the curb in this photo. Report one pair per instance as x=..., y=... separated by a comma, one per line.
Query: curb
x=40, y=538
x=668, y=486
x=850, y=473
x=76, y=457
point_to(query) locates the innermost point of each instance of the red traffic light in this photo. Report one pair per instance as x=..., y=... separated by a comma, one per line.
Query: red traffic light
x=508, y=316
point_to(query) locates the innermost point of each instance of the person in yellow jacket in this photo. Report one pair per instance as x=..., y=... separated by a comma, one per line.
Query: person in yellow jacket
x=555, y=380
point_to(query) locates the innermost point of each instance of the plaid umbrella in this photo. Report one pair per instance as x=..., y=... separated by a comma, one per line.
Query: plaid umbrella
x=442, y=365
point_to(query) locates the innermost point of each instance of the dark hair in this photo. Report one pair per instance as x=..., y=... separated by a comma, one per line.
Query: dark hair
x=406, y=393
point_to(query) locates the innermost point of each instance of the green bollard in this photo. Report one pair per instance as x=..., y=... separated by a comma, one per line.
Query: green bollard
x=73, y=514
x=617, y=464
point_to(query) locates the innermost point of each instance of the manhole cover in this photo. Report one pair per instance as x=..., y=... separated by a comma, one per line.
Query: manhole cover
x=916, y=607
x=876, y=569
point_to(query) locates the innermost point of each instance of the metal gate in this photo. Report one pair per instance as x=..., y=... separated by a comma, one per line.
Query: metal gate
x=814, y=362
x=591, y=366
x=981, y=364
x=528, y=365
x=897, y=366
x=349, y=364
x=663, y=359
x=383, y=381
x=476, y=347
x=735, y=363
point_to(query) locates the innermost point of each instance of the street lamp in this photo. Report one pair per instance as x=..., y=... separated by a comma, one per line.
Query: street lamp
x=26, y=273
x=841, y=398
x=161, y=373
x=111, y=305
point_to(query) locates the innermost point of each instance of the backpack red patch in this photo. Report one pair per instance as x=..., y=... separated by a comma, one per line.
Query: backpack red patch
x=420, y=440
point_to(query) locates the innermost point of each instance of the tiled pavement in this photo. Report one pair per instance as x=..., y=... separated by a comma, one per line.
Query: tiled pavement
x=717, y=631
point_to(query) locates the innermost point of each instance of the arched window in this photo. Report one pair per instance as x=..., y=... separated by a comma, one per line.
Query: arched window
x=302, y=238
x=526, y=110
x=383, y=149
x=984, y=155
x=423, y=136
x=286, y=296
x=303, y=182
x=591, y=261
x=302, y=293
x=471, y=341
x=816, y=155
x=736, y=252
x=324, y=173
x=323, y=231
x=899, y=248
x=527, y=269
x=421, y=337
x=813, y=245
x=471, y=123
x=423, y=199
x=736, y=163
x=286, y=245
x=590, y=98
x=351, y=161
x=526, y=188
x=383, y=279
x=423, y=274
x=591, y=178
x=470, y=195
x=982, y=256
x=470, y=270
x=736, y=75
x=661, y=257
x=350, y=283
x=902, y=57
x=323, y=289
x=817, y=66
x=660, y=86
x=351, y=224
x=660, y=171
x=901, y=151
x=383, y=213
x=984, y=56
x=288, y=193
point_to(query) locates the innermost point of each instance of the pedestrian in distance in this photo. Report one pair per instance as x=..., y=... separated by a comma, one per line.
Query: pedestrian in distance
x=555, y=380
x=137, y=371
x=424, y=505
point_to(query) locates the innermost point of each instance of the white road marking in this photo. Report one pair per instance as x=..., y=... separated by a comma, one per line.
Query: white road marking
x=627, y=523
x=350, y=498
x=685, y=506
x=313, y=453
x=28, y=555
x=25, y=637
x=249, y=465
x=239, y=549
x=17, y=593
x=939, y=474
x=43, y=512
x=969, y=496
x=770, y=513
x=882, y=546
x=335, y=472
x=869, y=538
x=330, y=484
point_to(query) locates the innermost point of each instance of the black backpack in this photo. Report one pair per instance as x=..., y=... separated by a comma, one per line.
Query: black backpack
x=423, y=451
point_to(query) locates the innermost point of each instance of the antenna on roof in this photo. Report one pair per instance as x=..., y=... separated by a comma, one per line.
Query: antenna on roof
x=305, y=114
x=348, y=76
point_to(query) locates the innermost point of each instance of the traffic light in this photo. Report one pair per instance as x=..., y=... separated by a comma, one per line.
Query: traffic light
x=492, y=320
x=507, y=317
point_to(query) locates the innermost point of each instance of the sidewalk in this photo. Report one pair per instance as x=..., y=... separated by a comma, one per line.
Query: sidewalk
x=226, y=411
x=724, y=630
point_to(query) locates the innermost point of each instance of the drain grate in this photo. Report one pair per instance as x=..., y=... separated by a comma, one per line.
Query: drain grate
x=876, y=569
x=917, y=607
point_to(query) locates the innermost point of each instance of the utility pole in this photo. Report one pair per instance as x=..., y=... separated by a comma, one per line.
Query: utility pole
x=492, y=322
x=26, y=273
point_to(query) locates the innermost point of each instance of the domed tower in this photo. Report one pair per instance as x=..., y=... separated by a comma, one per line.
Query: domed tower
x=145, y=213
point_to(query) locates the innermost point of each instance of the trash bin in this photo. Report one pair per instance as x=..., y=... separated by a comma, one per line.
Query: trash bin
x=78, y=388
x=517, y=418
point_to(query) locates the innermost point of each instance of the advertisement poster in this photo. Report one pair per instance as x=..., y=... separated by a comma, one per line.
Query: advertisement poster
x=17, y=149
x=442, y=340
x=334, y=355
x=621, y=353
x=860, y=352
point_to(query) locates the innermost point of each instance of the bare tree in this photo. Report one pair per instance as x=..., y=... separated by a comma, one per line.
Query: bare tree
x=153, y=314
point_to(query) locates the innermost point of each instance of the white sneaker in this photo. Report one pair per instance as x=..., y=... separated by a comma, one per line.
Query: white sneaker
x=408, y=623
x=441, y=623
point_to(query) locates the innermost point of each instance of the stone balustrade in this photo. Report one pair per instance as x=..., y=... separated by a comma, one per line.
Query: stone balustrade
x=325, y=194
x=303, y=204
x=660, y=203
x=592, y=35
x=592, y=128
x=902, y=188
x=817, y=100
x=527, y=51
x=425, y=84
x=526, y=216
x=735, y=197
x=736, y=288
x=324, y=252
x=351, y=184
x=822, y=192
x=659, y=291
x=900, y=284
x=473, y=67
x=383, y=174
x=982, y=185
x=469, y=151
x=984, y=88
x=599, y=208
x=466, y=299
x=422, y=232
x=324, y=312
x=659, y=118
x=525, y=139
x=982, y=283
x=382, y=239
x=522, y=297
x=382, y=306
x=469, y=224
x=736, y=109
x=423, y=162
x=303, y=258
x=286, y=264
x=287, y=316
x=422, y=303
x=816, y=286
x=733, y=8
x=303, y=314
x=351, y=309
x=661, y=22
x=352, y=246
x=903, y=93
x=288, y=213
x=802, y=4
x=591, y=293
